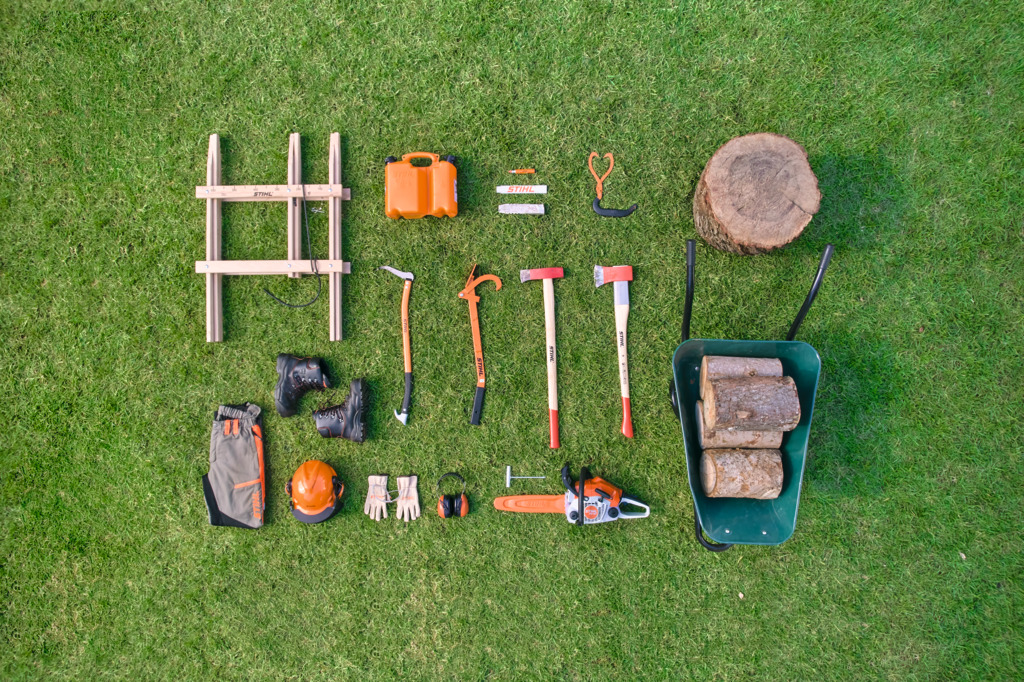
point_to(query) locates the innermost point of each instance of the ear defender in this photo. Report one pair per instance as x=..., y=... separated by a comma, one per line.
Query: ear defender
x=449, y=506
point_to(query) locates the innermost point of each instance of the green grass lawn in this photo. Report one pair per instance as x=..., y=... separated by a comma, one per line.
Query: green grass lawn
x=907, y=558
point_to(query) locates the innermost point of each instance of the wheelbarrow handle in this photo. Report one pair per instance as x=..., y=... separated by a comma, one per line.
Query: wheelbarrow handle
x=691, y=260
x=812, y=294
x=707, y=544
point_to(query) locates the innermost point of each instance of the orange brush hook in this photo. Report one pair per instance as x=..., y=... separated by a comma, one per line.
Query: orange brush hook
x=468, y=294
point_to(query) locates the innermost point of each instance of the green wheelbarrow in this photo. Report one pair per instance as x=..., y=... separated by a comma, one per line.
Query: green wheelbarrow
x=729, y=521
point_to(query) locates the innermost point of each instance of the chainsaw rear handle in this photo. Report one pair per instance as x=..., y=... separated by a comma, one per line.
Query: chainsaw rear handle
x=633, y=503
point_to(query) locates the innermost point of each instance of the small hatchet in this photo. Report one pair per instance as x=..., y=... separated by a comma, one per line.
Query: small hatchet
x=548, y=275
x=621, y=275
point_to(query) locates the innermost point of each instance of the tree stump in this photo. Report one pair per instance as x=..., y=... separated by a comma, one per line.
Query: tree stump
x=756, y=194
x=751, y=404
x=755, y=474
x=721, y=366
x=710, y=440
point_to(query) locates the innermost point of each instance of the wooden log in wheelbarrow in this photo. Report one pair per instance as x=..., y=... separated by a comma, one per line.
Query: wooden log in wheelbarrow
x=729, y=521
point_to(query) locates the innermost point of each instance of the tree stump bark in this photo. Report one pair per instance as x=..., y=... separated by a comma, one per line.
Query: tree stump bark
x=755, y=474
x=756, y=194
x=722, y=366
x=710, y=440
x=751, y=404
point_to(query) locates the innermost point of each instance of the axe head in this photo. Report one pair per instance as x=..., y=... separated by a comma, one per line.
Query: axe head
x=618, y=273
x=541, y=273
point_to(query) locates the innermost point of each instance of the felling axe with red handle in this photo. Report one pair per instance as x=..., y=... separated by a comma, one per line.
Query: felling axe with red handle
x=622, y=275
x=548, y=275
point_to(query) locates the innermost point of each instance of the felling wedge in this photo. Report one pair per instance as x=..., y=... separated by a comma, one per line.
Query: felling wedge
x=548, y=276
x=600, y=502
x=521, y=209
x=621, y=275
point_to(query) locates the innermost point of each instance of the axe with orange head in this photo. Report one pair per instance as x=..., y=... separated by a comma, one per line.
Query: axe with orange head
x=548, y=276
x=621, y=275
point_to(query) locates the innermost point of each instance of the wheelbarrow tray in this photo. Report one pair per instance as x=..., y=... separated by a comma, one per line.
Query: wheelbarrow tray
x=739, y=520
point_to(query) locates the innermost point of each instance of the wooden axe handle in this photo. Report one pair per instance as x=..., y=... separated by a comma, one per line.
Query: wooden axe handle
x=551, y=354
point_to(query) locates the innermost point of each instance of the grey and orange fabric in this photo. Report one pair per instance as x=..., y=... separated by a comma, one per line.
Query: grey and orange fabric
x=234, y=489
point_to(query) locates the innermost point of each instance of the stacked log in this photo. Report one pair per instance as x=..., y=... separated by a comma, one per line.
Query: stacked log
x=725, y=438
x=752, y=404
x=755, y=474
x=746, y=405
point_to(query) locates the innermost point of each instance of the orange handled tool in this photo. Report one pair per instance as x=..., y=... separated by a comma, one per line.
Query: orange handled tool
x=468, y=294
x=403, y=416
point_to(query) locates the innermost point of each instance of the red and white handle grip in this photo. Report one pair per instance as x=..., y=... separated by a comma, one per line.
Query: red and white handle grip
x=621, y=316
x=552, y=355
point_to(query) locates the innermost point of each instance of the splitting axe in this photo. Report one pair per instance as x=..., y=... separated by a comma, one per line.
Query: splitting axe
x=621, y=275
x=549, y=275
x=468, y=294
x=406, y=350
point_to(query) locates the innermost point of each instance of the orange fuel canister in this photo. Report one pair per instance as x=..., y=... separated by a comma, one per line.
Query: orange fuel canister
x=415, y=191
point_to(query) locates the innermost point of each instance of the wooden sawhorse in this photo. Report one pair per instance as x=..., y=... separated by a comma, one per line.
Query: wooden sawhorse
x=294, y=192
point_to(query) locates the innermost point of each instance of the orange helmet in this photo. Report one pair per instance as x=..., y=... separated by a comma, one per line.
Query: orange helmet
x=315, y=491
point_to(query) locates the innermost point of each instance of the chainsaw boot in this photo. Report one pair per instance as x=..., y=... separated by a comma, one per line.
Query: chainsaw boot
x=345, y=420
x=295, y=377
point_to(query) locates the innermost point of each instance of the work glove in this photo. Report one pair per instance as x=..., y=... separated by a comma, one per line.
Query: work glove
x=377, y=498
x=408, y=499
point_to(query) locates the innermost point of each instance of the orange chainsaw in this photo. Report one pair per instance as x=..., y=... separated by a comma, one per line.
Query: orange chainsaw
x=601, y=501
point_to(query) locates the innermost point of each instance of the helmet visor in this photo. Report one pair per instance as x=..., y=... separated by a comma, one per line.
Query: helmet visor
x=318, y=516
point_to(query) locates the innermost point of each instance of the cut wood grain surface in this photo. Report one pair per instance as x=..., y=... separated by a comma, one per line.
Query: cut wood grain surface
x=757, y=193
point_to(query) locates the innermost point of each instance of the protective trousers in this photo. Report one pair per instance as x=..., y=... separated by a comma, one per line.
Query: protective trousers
x=235, y=489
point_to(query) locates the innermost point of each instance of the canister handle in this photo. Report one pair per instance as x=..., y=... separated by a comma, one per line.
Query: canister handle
x=434, y=158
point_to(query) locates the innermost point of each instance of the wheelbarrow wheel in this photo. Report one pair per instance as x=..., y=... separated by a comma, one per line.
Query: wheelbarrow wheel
x=707, y=544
